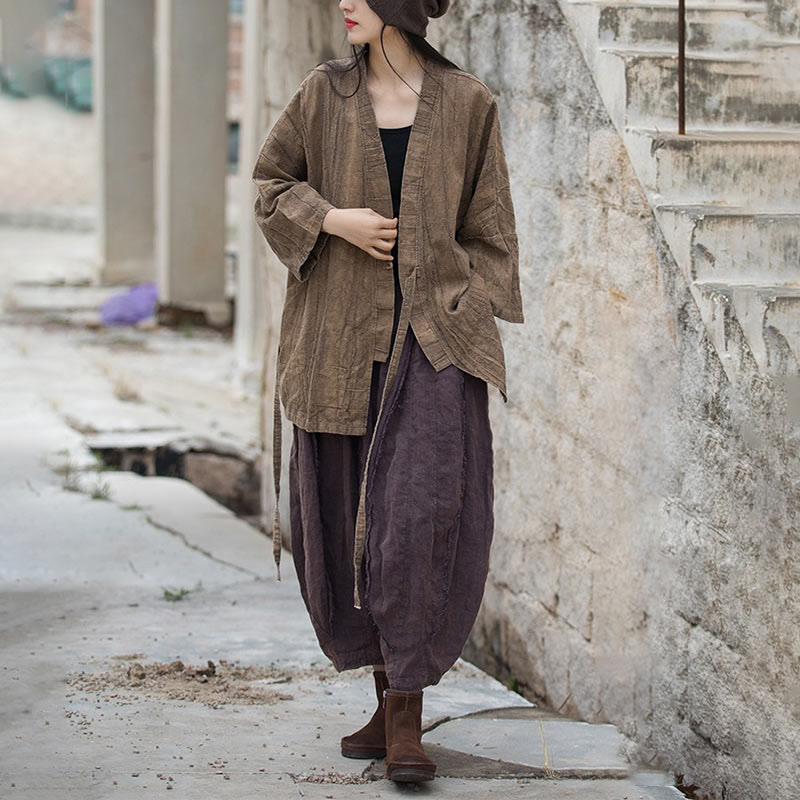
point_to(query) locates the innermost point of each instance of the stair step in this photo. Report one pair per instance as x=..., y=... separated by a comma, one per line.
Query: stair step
x=701, y=210
x=719, y=92
x=737, y=245
x=723, y=134
x=735, y=167
x=762, y=54
x=785, y=16
x=723, y=27
x=691, y=5
x=765, y=290
x=768, y=316
x=726, y=197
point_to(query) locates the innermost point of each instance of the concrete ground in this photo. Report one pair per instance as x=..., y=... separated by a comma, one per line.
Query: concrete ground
x=48, y=161
x=147, y=646
x=49, y=167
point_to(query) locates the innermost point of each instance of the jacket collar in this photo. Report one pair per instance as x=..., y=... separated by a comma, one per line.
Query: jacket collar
x=377, y=189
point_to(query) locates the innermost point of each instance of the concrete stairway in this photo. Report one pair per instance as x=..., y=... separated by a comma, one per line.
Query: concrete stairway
x=726, y=195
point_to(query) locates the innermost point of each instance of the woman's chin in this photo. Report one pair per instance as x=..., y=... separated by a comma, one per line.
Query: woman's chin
x=355, y=36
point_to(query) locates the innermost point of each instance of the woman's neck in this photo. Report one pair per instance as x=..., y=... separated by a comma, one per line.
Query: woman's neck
x=400, y=56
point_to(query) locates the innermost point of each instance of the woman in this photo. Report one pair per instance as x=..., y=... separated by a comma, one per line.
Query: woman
x=387, y=342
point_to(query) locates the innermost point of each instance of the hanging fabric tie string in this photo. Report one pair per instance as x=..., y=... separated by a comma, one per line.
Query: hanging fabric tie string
x=276, y=456
x=277, y=445
x=361, y=524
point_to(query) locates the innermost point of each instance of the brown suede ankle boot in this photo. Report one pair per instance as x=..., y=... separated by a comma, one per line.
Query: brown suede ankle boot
x=370, y=741
x=406, y=761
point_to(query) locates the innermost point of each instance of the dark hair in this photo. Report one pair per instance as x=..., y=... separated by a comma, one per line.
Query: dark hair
x=358, y=52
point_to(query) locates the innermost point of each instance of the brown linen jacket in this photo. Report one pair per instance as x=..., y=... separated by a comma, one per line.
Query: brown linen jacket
x=456, y=234
x=458, y=255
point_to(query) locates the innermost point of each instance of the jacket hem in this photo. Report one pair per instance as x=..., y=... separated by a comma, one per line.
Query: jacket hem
x=511, y=316
x=320, y=424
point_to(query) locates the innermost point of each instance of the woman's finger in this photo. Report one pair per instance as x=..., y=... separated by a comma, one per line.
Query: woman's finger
x=375, y=253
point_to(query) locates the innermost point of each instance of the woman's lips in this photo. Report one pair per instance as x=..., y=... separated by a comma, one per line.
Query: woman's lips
x=350, y=23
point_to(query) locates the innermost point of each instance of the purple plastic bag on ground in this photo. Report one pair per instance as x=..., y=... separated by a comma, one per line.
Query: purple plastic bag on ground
x=130, y=307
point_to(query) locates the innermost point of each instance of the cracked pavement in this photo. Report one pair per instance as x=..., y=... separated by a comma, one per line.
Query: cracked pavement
x=108, y=579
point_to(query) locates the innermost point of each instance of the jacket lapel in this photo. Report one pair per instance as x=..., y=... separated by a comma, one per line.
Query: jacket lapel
x=377, y=189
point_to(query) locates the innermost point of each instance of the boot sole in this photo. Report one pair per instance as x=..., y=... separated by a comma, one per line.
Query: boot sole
x=410, y=775
x=376, y=753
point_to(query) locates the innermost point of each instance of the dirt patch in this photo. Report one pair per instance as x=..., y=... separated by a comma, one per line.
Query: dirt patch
x=214, y=684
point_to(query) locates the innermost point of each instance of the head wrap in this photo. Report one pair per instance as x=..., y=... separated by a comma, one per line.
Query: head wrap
x=410, y=15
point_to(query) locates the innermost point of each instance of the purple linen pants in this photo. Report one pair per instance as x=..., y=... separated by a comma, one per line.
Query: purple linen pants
x=429, y=516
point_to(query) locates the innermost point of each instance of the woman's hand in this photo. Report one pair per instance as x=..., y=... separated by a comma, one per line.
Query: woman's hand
x=365, y=228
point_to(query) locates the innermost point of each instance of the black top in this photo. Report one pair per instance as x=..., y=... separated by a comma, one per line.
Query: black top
x=395, y=143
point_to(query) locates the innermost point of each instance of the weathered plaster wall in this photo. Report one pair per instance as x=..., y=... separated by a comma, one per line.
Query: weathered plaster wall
x=646, y=510
x=647, y=524
x=784, y=16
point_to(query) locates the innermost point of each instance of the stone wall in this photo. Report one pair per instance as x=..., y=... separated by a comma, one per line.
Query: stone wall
x=646, y=510
x=784, y=16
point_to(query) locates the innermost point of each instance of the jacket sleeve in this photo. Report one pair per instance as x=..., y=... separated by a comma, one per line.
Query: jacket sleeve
x=488, y=230
x=288, y=209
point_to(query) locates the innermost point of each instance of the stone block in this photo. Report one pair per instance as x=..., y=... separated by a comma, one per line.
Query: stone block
x=228, y=480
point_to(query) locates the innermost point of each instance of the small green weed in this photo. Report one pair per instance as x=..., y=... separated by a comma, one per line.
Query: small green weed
x=100, y=465
x=101, y=491
x=70, y=476
x=174, y=595
x=186, y=328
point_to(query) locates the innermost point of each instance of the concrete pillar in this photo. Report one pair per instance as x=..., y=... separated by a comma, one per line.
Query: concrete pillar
x=191, y=154
x=18, y=22
x=124, y=99
x=250, y=330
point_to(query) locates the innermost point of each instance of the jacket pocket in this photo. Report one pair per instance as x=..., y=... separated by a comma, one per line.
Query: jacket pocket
x=471, y=331
x=461, y=258
x=473, y=300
